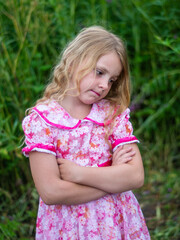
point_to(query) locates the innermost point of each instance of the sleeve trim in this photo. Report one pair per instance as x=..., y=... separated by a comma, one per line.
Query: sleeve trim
x=39, y=148
x=124, y=141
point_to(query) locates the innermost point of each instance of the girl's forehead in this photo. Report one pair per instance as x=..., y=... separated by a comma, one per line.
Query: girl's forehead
x=107, y=60
x=111, y=63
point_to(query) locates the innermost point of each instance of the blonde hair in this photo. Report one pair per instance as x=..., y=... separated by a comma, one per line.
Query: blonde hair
x=89, y=45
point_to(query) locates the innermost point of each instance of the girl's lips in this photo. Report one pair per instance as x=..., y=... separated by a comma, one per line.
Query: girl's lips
x=96, y=93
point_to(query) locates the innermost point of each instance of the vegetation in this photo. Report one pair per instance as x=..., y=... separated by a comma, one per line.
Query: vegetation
x=33, y=33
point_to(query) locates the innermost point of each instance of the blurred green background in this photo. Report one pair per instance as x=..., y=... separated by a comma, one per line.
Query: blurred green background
x=32, y=35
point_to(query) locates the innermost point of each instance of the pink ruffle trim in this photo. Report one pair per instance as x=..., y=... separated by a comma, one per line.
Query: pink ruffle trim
x=39, y=148
x=55, y=124
x=123, y=141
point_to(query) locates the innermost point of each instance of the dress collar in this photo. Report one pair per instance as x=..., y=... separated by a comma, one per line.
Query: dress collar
x=55, y=115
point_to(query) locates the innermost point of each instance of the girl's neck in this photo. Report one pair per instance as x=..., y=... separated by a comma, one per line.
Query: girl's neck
x=75, y=108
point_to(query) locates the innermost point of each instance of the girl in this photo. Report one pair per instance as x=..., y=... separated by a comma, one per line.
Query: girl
x=83, y=154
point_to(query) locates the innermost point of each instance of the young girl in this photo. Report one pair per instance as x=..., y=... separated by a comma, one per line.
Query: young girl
x=83, y=154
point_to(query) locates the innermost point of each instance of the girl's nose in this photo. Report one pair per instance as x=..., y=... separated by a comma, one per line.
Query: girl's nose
x=104, y=84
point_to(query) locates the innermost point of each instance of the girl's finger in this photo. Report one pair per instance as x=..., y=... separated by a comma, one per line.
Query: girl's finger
x=124, y=153
x=124, y=150
x=60, y=160
x=125, y=160
x=117, y=150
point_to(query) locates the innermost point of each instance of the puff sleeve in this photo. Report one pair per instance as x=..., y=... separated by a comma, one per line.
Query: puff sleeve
x=38, y=135
x=122, y=131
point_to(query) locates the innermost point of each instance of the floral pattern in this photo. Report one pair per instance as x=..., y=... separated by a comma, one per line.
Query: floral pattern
x=49, y=128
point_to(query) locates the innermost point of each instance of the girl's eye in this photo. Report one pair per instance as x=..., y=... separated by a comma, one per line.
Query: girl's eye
x=111, y=80
x=99, y=72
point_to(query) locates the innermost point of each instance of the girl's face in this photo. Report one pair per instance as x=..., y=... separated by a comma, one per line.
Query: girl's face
x=96, y=85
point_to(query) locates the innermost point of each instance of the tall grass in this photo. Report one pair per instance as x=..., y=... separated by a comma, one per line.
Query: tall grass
x=33, y=33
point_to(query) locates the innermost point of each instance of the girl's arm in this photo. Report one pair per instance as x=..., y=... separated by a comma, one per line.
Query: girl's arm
x=54, y=190
x=113, y=179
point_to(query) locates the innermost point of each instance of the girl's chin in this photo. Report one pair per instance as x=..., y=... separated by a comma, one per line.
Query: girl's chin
x=90, y=102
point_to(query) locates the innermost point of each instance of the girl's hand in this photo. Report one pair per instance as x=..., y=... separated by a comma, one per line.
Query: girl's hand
x=122, y=155
x=69, y=171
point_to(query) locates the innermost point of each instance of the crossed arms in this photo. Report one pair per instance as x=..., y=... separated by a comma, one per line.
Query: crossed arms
x=59, y=181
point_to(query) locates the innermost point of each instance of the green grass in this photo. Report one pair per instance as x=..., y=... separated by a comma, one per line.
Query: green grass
x=159, y=199
x=32, y=35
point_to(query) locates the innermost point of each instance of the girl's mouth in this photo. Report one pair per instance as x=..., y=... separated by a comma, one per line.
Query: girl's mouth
x=95, y=93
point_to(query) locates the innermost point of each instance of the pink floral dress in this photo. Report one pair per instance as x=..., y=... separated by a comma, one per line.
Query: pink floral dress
x=50, y=129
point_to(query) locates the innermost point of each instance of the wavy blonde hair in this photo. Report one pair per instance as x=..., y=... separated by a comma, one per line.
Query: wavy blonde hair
x=89, y=45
